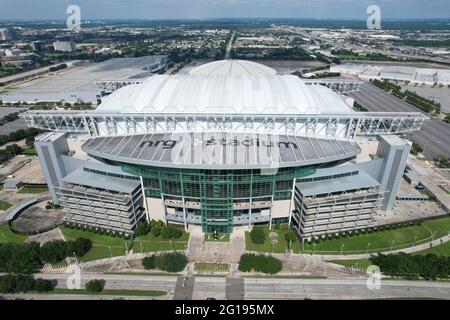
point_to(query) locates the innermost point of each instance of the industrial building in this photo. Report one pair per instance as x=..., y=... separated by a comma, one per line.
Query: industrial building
x=232, y=143
x=397, y=73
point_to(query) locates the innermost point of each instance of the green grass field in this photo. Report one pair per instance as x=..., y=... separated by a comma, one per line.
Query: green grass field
x=32, y=190
x=150, y=243
x=134, y=293
x=30, y=151
x=6, y=235
x=375, y=241
x=440, y=250
x=103, y=246
x=279, y=247
x=5, y=205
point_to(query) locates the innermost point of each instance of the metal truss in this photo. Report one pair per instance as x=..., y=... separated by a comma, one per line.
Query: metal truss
x=113, y=85
x=339, y=86
x=345, y=125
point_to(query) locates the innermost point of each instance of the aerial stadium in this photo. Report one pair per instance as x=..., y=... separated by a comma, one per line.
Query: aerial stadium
x=231, y=143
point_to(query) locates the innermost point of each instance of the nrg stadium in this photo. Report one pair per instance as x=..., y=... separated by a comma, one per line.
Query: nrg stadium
x=231, y=143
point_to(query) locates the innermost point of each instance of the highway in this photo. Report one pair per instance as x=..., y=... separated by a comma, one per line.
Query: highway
x=229, y=47
x=435, y=134
x=200, y=288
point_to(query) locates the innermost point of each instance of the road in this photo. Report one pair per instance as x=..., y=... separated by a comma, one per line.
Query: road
x=229, y=47
x=186, y=288
x=435, y=134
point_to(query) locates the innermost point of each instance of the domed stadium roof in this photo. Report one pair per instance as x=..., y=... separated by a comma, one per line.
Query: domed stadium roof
x=233, y=68
x=246, y=88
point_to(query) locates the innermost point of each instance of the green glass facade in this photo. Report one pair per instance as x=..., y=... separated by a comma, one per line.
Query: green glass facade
x=217, y=190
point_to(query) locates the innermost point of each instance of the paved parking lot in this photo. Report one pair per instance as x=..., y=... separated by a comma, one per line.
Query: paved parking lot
x=435, y=134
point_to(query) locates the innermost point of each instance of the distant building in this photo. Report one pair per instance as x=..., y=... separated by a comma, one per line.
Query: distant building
x=13, y=185
x=39, y=46
x=396, y=73
x=5, y=34
x=104, y=51
x=64, y=46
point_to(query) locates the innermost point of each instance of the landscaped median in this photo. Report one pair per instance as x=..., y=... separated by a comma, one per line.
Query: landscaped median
x=211, y=267
x=382, y=240
x=129, y=293
x=5, y=205
x=25, y=283
x=32, y=190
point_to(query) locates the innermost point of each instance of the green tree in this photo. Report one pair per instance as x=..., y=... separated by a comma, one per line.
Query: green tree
x=258, y=235
x=416, y=149
x=290, y=236
x=16, y=283
x=169, y=232
x=170, y=262
x=53, y=251
x=94, y=286
x=149, y=263
x=80, y=246
x=41, y=285
x=259, y=263
x=20, y=258
x=142, y=229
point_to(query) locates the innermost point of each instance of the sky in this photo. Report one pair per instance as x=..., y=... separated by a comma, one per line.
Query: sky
x=206, y=9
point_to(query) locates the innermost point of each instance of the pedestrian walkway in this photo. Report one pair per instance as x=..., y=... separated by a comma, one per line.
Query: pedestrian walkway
x=184, y=288
x=200, y=250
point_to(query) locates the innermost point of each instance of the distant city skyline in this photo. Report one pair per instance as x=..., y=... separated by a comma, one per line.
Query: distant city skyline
x=210, y=9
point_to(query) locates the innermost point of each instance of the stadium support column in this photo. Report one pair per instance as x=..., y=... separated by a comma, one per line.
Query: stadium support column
x=50, y=147
x=394, y=152
x=292, y=202
x=147, y=216
x=184, y=214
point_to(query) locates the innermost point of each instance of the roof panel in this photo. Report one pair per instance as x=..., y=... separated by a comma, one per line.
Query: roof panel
x=219, y=150
x=224, y=94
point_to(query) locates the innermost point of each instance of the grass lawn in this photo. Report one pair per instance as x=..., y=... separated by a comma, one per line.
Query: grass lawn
x=220, y=267
x=440, y=250
x=103, y=246
x=279, y=247
x=30, y=151
x=222, y=237
x=379, y=240
x=32, y=190
x=441, y=226
x=5, y=205
x=6, y=235
x=135, y=293
x=150, y=243
x=140, y=246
